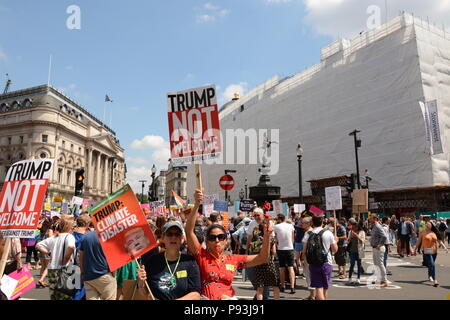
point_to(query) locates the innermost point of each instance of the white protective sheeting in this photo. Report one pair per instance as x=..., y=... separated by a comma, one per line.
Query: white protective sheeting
x=373, y=83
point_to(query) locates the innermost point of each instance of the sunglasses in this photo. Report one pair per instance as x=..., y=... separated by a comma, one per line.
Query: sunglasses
x=173, y=234
x=213, y=237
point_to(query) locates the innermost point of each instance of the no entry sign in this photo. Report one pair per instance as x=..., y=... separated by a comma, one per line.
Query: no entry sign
x=226, y=182
x=194, y=124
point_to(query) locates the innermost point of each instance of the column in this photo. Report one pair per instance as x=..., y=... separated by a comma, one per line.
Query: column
x=106, y=184
x=98, y=180
x=87, y=169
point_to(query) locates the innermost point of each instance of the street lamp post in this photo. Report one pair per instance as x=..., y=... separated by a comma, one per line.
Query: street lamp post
x=357, y=145
x=299, y=159
x=226, y=192
x=245, y=185
x=142, y=194
x=368, y=178
x=154, y=197
x=241, y=194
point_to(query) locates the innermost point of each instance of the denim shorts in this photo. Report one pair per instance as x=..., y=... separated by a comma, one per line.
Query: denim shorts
x=298, y=246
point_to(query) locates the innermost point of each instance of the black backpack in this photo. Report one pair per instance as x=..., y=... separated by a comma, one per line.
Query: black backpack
x=442, y=226
x=315, y=252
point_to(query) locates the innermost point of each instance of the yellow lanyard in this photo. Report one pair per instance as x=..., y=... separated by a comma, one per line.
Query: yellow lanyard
x=168, y=267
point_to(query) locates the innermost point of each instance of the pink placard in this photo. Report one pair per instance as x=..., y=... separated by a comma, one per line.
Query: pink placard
x=146, y=208
x=315, y=210
x=26, y=282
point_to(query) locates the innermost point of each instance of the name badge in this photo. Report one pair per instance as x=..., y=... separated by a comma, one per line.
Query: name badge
x=230, y=267
x=182, y=274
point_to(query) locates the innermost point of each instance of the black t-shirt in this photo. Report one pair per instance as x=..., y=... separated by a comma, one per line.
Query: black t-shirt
x=299, y=233
x=187, y=276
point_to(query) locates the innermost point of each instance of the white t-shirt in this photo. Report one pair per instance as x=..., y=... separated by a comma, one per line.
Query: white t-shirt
x=327, y=240
x=284, y=233
x=55, y=246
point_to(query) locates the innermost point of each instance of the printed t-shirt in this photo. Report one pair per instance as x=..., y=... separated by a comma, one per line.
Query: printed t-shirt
x=217, y=276
x=187, y=276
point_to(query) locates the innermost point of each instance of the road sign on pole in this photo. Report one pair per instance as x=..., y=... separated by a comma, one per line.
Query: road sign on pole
x=226, y=182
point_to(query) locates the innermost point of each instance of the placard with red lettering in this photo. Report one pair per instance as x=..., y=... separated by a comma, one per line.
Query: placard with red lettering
x=22, y=197
x=122, y=228
x=194, y=127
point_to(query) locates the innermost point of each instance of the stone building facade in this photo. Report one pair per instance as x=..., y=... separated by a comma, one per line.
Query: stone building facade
x=41, y=122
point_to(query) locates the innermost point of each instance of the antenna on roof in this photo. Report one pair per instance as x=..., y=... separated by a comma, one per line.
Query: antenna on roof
x=8, y=83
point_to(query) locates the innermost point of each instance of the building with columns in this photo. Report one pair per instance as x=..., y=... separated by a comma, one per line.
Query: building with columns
x=176, y=177
x=41, y=122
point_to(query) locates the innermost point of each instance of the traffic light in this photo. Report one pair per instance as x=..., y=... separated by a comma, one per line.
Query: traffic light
x=350, y=183
x=79, y=182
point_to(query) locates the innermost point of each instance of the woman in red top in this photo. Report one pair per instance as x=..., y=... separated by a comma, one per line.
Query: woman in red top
x=216, y=268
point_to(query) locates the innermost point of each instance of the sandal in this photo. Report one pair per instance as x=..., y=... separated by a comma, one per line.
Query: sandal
x=43, y=284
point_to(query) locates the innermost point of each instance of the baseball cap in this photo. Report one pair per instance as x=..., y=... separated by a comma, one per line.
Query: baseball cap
x=171, y=224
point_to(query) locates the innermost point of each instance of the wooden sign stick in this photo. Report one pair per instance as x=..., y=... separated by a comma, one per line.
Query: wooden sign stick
x=198, y=176
x=146, y=284
x=335, y=223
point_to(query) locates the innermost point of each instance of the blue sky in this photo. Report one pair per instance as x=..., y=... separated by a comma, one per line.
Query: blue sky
x=138, y=50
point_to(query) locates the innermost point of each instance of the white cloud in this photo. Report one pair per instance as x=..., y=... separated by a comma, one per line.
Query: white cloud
x=69, y=68
x=278, y=1
x=139, y=168
x=137, y=160
x=155, y=142
x=210, y=6
x=3, y=55
x=204, y=18
x=134, y=174
x=346, y=18
x=161, y=157
x=229, y=92
x=211, y=13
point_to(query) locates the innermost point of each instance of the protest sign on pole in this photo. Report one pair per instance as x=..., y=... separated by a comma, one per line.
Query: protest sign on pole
x=194, y=128
x=122, y=228
x=22, y=197
x=247, y=205
x=299, y=208
x=277, y=207
x=208, y=204
x=360, y=202
x=333, y=198
x=77, y=201
x=220, y=206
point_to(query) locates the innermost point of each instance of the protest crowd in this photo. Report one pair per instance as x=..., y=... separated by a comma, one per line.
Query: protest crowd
x=197, y=257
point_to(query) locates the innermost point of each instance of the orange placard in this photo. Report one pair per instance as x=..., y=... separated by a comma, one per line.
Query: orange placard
x=226, y=221
x=122, y=228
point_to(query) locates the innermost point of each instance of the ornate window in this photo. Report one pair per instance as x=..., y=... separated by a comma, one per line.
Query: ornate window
x=43, y=155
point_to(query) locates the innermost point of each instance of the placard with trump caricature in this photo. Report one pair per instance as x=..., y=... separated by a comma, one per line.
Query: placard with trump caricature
x=122, y=228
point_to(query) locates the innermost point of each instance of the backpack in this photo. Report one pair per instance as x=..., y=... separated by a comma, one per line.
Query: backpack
x=256, y=244
x=316, y=253
x=442, y=226
x=244, y=238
